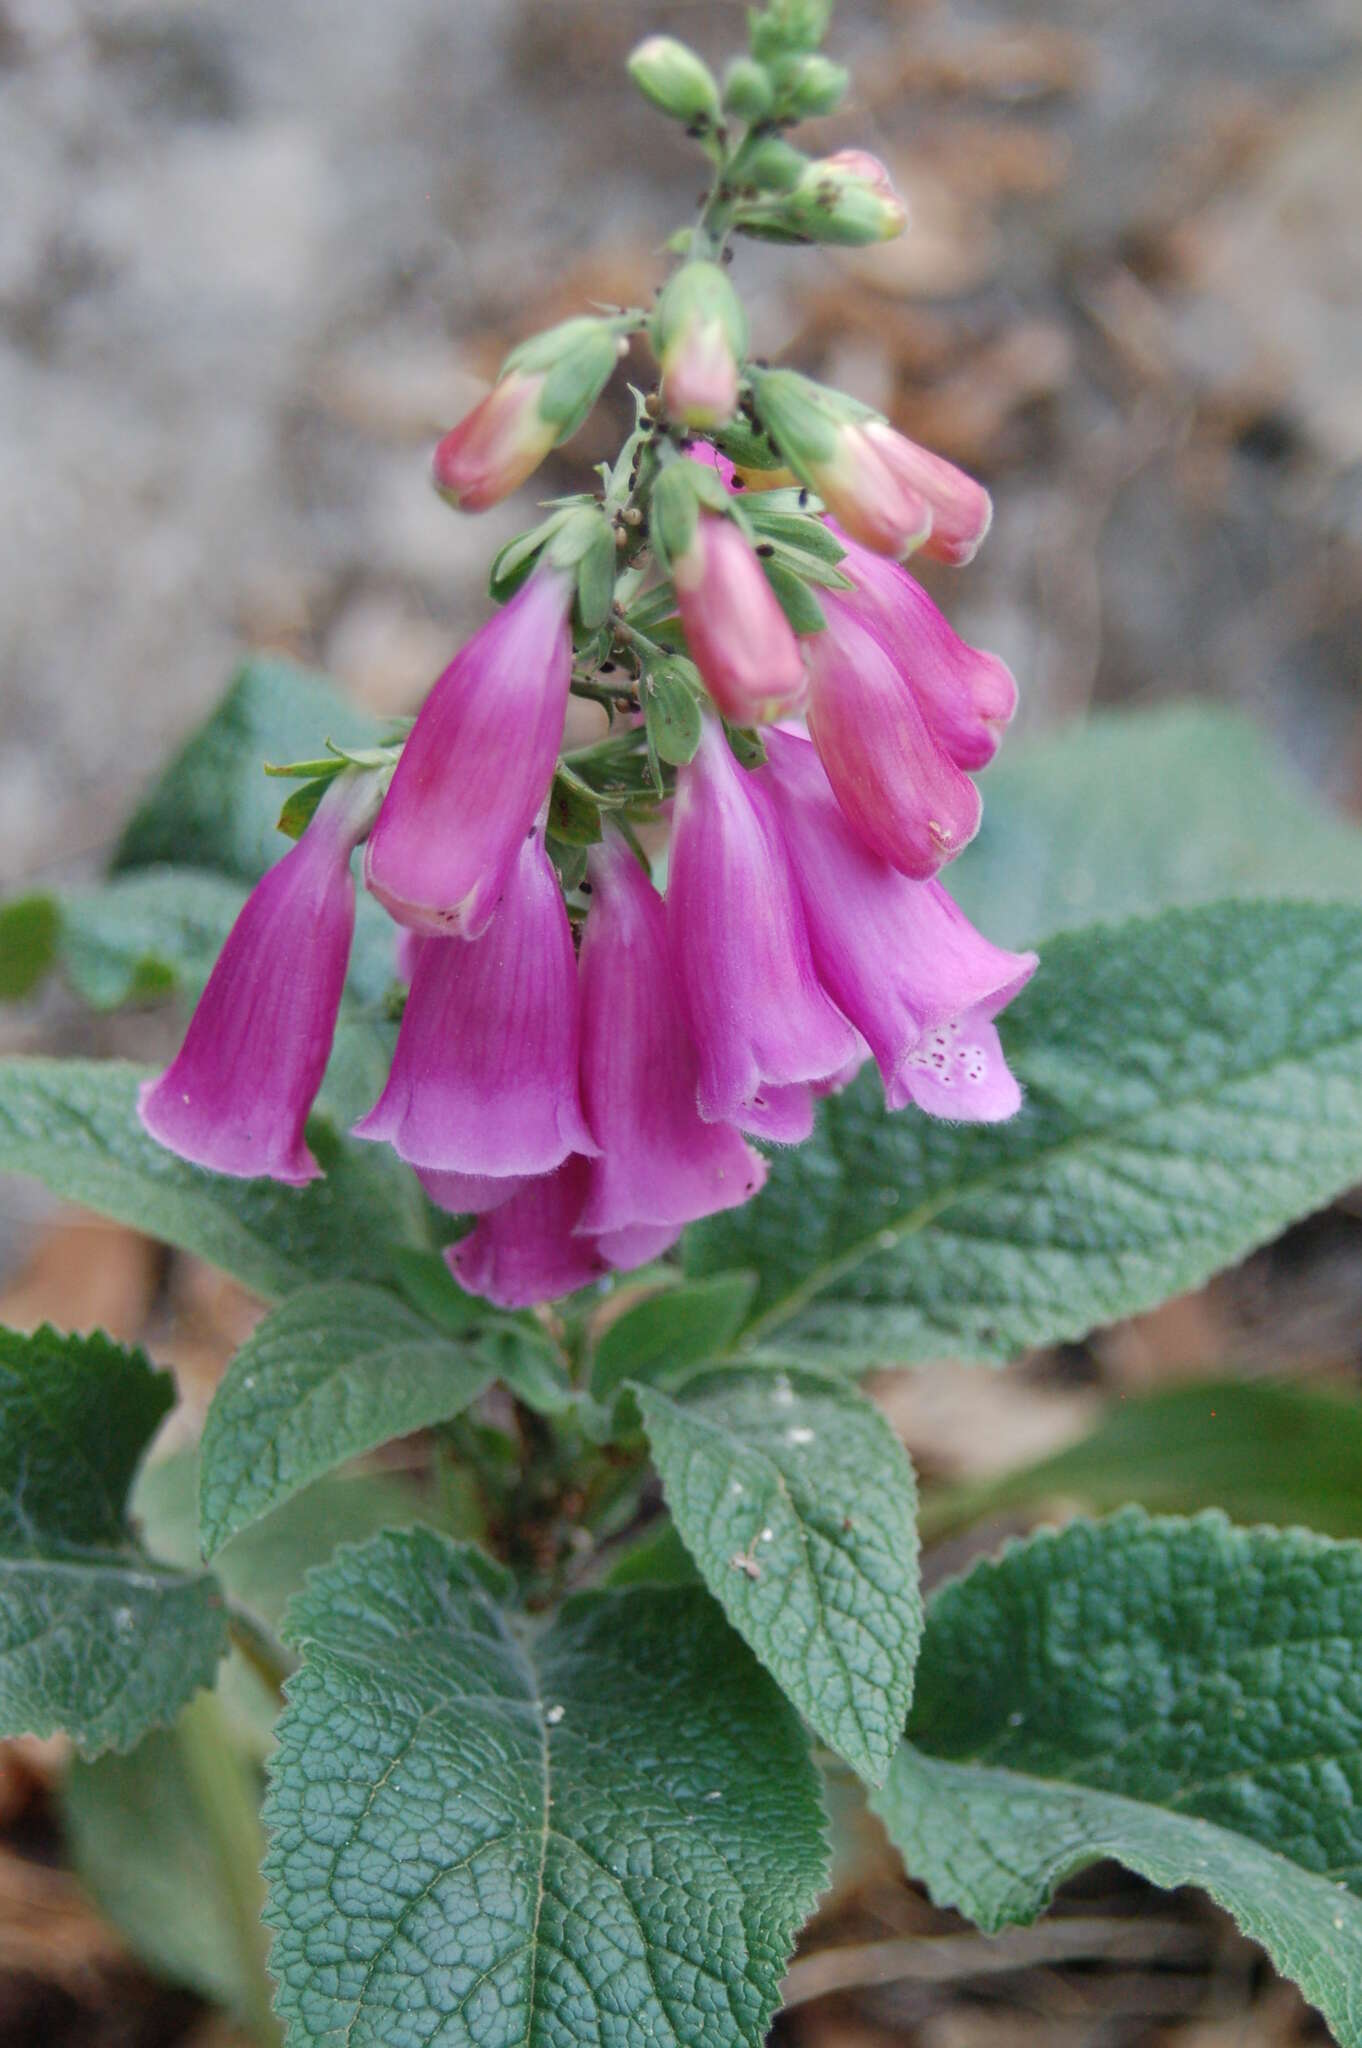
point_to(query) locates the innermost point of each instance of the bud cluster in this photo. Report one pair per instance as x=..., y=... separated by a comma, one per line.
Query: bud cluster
x=582, y=1060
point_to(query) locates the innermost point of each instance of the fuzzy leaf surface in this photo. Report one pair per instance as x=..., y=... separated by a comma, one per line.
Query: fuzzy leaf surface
x=603, y=1828
x=797, y=1502
x=331, y=1373
x=72, y=1124
x=96, y=1639
x=1194, y=1083
x=1182, y=1696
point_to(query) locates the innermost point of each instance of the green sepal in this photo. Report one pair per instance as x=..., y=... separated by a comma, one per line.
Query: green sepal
x=574, y=814
x=300, y=805
x=675, y=510
x=671, y=694
x=794, y=596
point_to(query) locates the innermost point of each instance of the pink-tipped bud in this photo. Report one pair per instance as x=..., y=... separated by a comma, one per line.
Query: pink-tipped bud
x=238, y=1093
x=699, y=334
x=827, y=442
x=848, y=198
x=898, y=788
x=961, y=509
x=476, y=768
x=495, y=447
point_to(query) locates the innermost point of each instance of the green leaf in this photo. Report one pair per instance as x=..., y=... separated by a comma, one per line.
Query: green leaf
x=797, y=1502
x=603, y=1828
x=1263, y=1451
x=72, y=1124
x=1182, y=1696
x=1137, y=811
x=666, y=1335
x=332, y=1373
x=214, y=807
x=95, y=1638
x=29, y=928
x=795, y=598
x=1194, y=1082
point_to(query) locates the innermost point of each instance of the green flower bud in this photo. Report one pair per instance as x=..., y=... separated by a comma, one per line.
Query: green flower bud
x=773, y=165
x=676, y=81
x=847, y=198
x=806, y=86
x=748, y=92
x=575, y=360
x=699, y=336
x=790, y=25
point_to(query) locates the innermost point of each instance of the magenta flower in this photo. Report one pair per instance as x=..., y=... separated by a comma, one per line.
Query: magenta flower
x=470, y=1194
x=527, y=1249
x=660, y=1163
x=237, y=1095
x=758, y=1018
x=476, y=768
x=901, y=791
x=966, y=697
x=904, y=963
x=484, y=1078
x=741, y=640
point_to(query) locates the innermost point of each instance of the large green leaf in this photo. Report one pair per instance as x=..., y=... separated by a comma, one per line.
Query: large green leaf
x=333, y=1372
x=1194, y=1082
x=214, y=807
x=72, y=1124
x=96, y=1639
x=1262, y=1450
x=1182, y=1696
x=1136, y=811
x=797, y=1502
x=605, y=1828
x=669, y=1333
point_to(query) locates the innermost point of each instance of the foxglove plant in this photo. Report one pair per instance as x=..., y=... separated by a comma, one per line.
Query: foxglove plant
x=552, y=1156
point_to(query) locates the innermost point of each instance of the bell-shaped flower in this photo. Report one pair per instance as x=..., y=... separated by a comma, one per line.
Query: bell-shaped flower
x=660, y=1162
x=898, y=957
x=961, y=509
x=237, y=1094
x=484, y=1077
x=476, y=768
x=760, y=1023
x=470, y=1194
x=527, y=1249
x=966, y=696
x=897, y=785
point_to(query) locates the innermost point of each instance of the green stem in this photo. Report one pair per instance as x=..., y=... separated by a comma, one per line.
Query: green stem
x=225, y=1794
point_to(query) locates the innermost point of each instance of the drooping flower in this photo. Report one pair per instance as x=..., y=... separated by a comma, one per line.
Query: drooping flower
x=470, y=1194
x=547, y=387
x=484, y=1078
x=661, y=1164
x=898, y=957
x=966, y=696
x=741, y=640
x=476, y=768
x=760, y=1023
x=961, y=509
x=237, y=1094
x=527, y=1249
x=898, y=786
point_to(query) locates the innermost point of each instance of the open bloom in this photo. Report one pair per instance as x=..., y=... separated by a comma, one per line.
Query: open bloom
x=760, y=1023
x=484, y=1078
x=476, y=768
x=530, y=1247
x=899, y=788
x=237, y=1095
x=741, y=640
x=495, y=446
x=660, y=1162
x=965, y=695
x=898, y=957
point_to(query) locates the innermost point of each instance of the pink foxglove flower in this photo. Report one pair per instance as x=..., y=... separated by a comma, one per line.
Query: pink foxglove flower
x=476, y=768
x=961, y=509
x=898, y=787
x=238, y=1093
x=741, y=640
x=484, y=1078
x=967, y=697
x=903, y=962
x=527, y=1249
x=660, y=1163
x=495, y=446
x=470, y=1194
x=758, y=1018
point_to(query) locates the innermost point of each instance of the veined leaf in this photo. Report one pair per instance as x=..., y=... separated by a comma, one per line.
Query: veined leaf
x=1182, y=1696
x=96, y=1639
x=668, y=1334
x=797, y=1502
x=72, y=1124
x=606, y=1827
x=1194, y=1083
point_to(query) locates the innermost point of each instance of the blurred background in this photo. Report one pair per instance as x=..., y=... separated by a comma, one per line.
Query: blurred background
x=256, y=254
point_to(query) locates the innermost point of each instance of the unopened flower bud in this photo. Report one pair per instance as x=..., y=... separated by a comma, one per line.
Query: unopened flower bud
x=699, y=335
x=546, y=389
x=829, y=443
x=846, y=198
x=808, y=86
x=676, y=81
x=747, y=90
x=790, y=25
x=774, y=165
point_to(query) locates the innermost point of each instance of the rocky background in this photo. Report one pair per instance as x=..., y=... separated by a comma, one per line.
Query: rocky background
x=256, y=254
